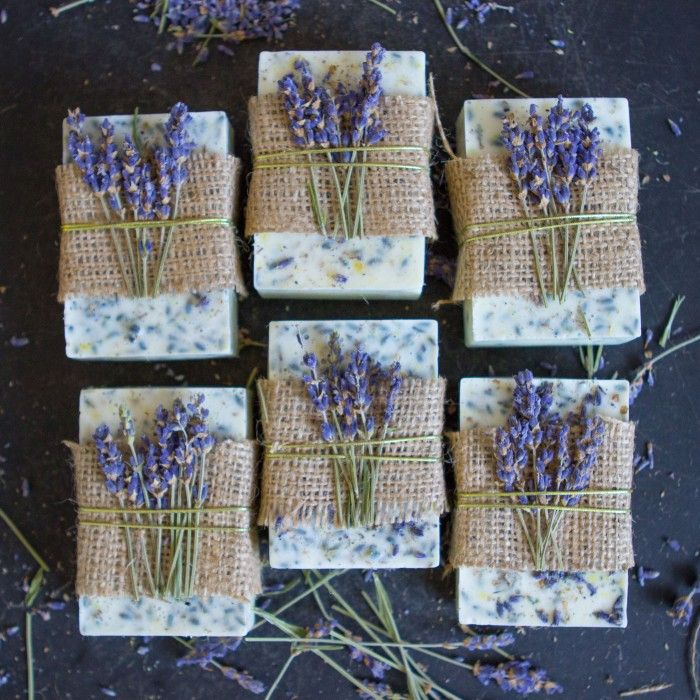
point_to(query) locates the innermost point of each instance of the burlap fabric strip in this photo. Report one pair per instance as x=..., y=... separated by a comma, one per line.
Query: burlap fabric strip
x=481, y=190
x=229, y=562
x=493, y=538
x=202, y=257
x=397, y=202
x=302, y=489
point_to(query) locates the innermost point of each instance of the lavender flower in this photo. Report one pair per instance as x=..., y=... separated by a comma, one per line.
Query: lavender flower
x=520, y=676
x=81, y=148
x=178, y=142
x=108, y=169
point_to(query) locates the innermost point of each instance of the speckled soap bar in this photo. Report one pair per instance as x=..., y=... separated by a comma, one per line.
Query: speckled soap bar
x=412, y=545
x=229, y=418
x=507, y=597
x=301, y=265
x=171, y=326
x=613, y=315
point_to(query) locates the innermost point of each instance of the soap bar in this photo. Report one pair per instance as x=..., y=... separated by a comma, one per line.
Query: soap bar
x=301, y=265
x=522, y=598
x=229, y=417
x=178, y=326
x=401, y=545
x=613, y=315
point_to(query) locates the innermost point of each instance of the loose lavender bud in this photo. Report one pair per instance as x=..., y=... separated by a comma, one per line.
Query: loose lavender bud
x=682, y=610
x=520, y=676
x=644, y=575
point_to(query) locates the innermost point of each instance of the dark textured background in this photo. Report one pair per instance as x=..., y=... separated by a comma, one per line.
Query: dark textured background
x=99, y=59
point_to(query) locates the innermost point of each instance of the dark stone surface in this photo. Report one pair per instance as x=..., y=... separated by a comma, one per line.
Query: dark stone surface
x=97, y=58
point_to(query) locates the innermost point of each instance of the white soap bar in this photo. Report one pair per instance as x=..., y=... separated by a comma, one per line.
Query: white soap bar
x=229, y=418
x=300, y=265
x=613, y=315
x=414, y=545
x=171, y=326
x=522, y=598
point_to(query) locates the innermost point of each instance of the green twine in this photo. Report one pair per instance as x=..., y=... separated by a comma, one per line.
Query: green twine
x=143, y=224
x=465, y=495
x=541, y=223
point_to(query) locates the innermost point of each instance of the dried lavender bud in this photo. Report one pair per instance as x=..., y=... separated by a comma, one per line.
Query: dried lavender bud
x=208, y=649
x=232, y=22
x=682, y=610
x=520, y=676
x=489, y=642
x=644, y=575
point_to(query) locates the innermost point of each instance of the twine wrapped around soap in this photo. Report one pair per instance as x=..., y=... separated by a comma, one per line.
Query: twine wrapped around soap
x=398, y=197
x=203, y=256
x=482, y=192
x=228, y=562
x=298, y=478
x=594, y=536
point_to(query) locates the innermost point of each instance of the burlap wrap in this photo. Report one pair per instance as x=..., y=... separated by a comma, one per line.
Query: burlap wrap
x=493, y=538
x=301, y=490
x=481, y=190
x=229, y=563
x=397, y=202
x=202, y=257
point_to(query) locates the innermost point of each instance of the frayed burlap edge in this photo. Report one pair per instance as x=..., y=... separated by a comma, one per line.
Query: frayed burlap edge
x=481, y=190
x=229, y=562
x=493, y=538
x=302, y=490
x=397, y=202
x=202, y=257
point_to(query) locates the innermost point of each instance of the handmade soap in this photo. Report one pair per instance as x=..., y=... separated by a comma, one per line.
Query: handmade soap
x=413, y=544
x=170, y=326
x=521, y=598
x=229, y=417
x=300, y=265
x=611, y=315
